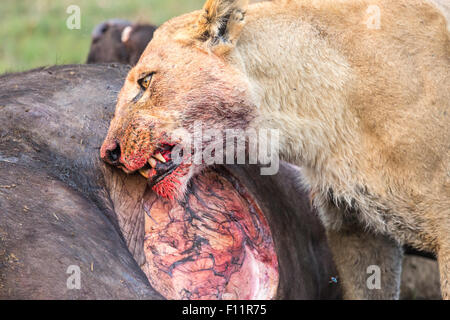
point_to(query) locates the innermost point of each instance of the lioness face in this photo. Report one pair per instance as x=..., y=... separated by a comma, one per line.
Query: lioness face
x=178, y=82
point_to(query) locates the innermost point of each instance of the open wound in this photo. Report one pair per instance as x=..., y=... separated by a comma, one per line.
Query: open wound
x=215, y=244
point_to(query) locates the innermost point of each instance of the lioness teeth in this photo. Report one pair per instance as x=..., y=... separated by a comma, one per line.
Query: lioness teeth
x=159, y=157
x=145, y=173
x=152, y=162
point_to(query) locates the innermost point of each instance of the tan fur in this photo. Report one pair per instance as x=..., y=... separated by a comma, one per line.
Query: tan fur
x=365, y=111
x=377, y=117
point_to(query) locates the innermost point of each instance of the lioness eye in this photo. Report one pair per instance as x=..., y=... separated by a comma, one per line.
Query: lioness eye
x=145, y=82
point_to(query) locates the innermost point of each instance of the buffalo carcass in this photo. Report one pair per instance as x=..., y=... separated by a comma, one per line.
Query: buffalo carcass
x=62, y=208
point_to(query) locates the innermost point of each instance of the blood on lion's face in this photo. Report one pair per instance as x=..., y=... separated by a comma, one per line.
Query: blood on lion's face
x=179, y=81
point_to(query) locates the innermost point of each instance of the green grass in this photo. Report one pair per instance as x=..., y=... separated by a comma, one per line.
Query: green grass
x=33, y=33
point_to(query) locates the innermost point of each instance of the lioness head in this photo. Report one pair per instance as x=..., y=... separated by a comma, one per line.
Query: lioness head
x=183, y=77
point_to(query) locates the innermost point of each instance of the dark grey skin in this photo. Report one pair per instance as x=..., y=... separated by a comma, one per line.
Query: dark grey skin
x=61, y=206
x=54, y=208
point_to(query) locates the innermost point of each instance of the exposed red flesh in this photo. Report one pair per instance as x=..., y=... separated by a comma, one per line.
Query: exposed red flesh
x=215, y=245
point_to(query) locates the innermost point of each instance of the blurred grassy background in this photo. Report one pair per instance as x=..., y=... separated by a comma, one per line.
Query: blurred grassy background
x=33, y=33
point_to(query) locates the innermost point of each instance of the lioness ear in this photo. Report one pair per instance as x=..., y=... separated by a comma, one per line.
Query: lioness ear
x=221, y=22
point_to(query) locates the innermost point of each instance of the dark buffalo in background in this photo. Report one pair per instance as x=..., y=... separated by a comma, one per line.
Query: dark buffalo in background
x=119, y=41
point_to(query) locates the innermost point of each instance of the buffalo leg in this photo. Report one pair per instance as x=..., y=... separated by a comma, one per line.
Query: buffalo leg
x=360, y=258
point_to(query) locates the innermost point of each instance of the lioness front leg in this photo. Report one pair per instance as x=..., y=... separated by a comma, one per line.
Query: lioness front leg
x=360, y=257
x=444, y=270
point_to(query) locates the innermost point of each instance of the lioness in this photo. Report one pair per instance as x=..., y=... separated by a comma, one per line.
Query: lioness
x=359, y=91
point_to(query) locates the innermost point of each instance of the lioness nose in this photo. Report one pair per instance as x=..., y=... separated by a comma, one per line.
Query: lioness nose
x=111, y=153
